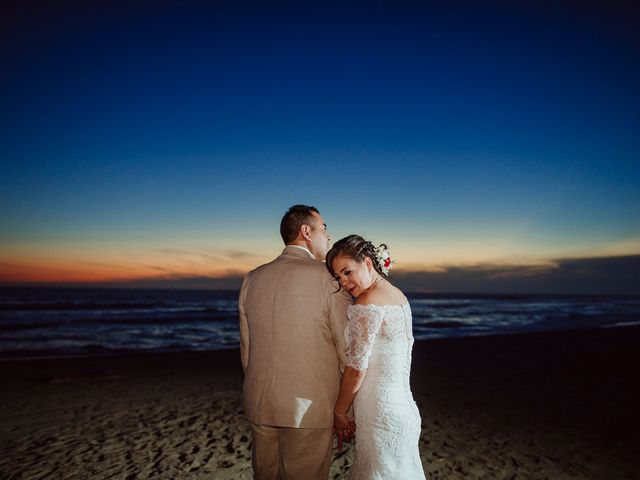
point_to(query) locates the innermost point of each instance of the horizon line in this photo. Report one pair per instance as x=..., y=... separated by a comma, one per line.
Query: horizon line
x=113, y=286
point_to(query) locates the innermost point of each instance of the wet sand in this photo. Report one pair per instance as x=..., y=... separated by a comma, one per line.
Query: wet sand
x=559, y=405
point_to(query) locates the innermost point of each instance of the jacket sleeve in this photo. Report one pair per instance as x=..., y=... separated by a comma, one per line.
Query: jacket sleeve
x=244, y=326
x=338, y=303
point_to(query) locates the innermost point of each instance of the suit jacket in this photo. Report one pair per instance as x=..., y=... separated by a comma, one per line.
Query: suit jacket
x=292, y=322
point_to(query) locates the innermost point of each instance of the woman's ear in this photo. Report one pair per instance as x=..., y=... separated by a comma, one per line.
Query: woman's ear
x=368, y=263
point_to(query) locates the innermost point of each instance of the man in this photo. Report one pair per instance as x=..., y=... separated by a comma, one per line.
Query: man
x=292, y=322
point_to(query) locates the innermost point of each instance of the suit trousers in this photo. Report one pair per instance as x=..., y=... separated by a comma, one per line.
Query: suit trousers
x=283, y=453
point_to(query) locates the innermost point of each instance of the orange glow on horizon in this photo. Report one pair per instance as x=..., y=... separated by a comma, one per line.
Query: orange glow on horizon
x=22, y=273
x=111, y=268
x=108, y=264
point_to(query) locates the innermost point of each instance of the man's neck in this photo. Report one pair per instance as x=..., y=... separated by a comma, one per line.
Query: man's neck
x=303, y=246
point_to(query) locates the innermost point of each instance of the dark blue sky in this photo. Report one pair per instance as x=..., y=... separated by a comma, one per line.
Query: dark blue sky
x=461, y=132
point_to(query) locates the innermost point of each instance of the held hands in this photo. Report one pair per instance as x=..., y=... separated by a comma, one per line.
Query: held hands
x=344, y=429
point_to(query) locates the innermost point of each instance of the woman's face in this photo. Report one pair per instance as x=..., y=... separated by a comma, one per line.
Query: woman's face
x=355, y=277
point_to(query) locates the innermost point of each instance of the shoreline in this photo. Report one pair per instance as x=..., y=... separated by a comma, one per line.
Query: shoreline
x=162, y=353
x=559, y=404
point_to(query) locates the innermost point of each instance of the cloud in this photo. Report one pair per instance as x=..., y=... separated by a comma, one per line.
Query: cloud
x=230, y=255
x=240, y=255
x=573, y=276
x=229, y=282
x=175, y=252
x=604, y=275
x=226, y=282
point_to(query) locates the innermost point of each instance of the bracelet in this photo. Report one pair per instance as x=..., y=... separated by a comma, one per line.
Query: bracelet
x=339, y=415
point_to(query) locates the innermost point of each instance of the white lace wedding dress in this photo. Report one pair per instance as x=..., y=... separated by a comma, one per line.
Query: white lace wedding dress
x=387, y=419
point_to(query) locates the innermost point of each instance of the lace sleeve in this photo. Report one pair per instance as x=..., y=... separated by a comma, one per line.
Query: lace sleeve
x=364, y=323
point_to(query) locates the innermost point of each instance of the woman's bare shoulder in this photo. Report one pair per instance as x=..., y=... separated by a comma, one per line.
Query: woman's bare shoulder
x=365, y=298
x=383, y=295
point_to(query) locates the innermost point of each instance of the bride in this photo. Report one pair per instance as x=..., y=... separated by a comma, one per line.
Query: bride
x=376, y=378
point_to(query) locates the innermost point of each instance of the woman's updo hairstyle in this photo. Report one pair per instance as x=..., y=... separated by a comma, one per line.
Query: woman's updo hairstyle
x=356, y=247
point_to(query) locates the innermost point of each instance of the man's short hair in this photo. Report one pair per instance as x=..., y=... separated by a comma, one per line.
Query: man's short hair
x=293, y=220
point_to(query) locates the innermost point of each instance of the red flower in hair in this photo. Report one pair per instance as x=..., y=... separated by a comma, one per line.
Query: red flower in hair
x=383, y=259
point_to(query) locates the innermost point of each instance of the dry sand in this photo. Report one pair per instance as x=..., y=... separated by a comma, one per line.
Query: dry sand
x=561, y=405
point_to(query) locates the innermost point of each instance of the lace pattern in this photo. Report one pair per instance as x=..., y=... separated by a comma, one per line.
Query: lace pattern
x=388, y=421
x=362, y=328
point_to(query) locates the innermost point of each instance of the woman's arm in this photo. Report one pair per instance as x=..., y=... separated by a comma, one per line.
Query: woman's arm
x=349, y=386
x=363, y=327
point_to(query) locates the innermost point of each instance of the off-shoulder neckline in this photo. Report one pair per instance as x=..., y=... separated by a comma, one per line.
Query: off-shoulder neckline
x=391, y=305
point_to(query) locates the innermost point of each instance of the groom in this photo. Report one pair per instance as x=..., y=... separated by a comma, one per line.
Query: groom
x=292, y=323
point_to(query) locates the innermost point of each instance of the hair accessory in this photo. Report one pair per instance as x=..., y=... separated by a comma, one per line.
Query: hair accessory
x=383, y=259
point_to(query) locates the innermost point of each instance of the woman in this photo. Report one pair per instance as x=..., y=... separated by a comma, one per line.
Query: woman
x=376, y=378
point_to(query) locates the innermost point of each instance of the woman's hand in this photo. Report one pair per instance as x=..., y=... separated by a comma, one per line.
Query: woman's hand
x=344, y=428
x=351, y=381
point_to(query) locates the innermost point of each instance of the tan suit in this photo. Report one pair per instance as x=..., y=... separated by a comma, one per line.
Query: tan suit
x=292, y=324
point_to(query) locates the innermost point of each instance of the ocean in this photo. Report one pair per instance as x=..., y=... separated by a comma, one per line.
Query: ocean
x=38, y=322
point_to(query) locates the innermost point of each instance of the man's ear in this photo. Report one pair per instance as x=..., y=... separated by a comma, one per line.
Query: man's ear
x=306, y=232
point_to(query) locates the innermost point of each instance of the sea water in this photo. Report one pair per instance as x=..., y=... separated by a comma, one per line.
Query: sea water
x=92, y=321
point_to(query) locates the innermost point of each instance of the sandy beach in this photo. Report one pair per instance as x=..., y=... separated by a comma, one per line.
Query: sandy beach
x=560, y=405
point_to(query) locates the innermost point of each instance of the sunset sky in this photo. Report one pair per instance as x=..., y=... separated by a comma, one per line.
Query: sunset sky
x=493, y=146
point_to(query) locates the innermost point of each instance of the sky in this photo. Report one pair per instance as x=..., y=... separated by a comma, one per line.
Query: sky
x=493, y=146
